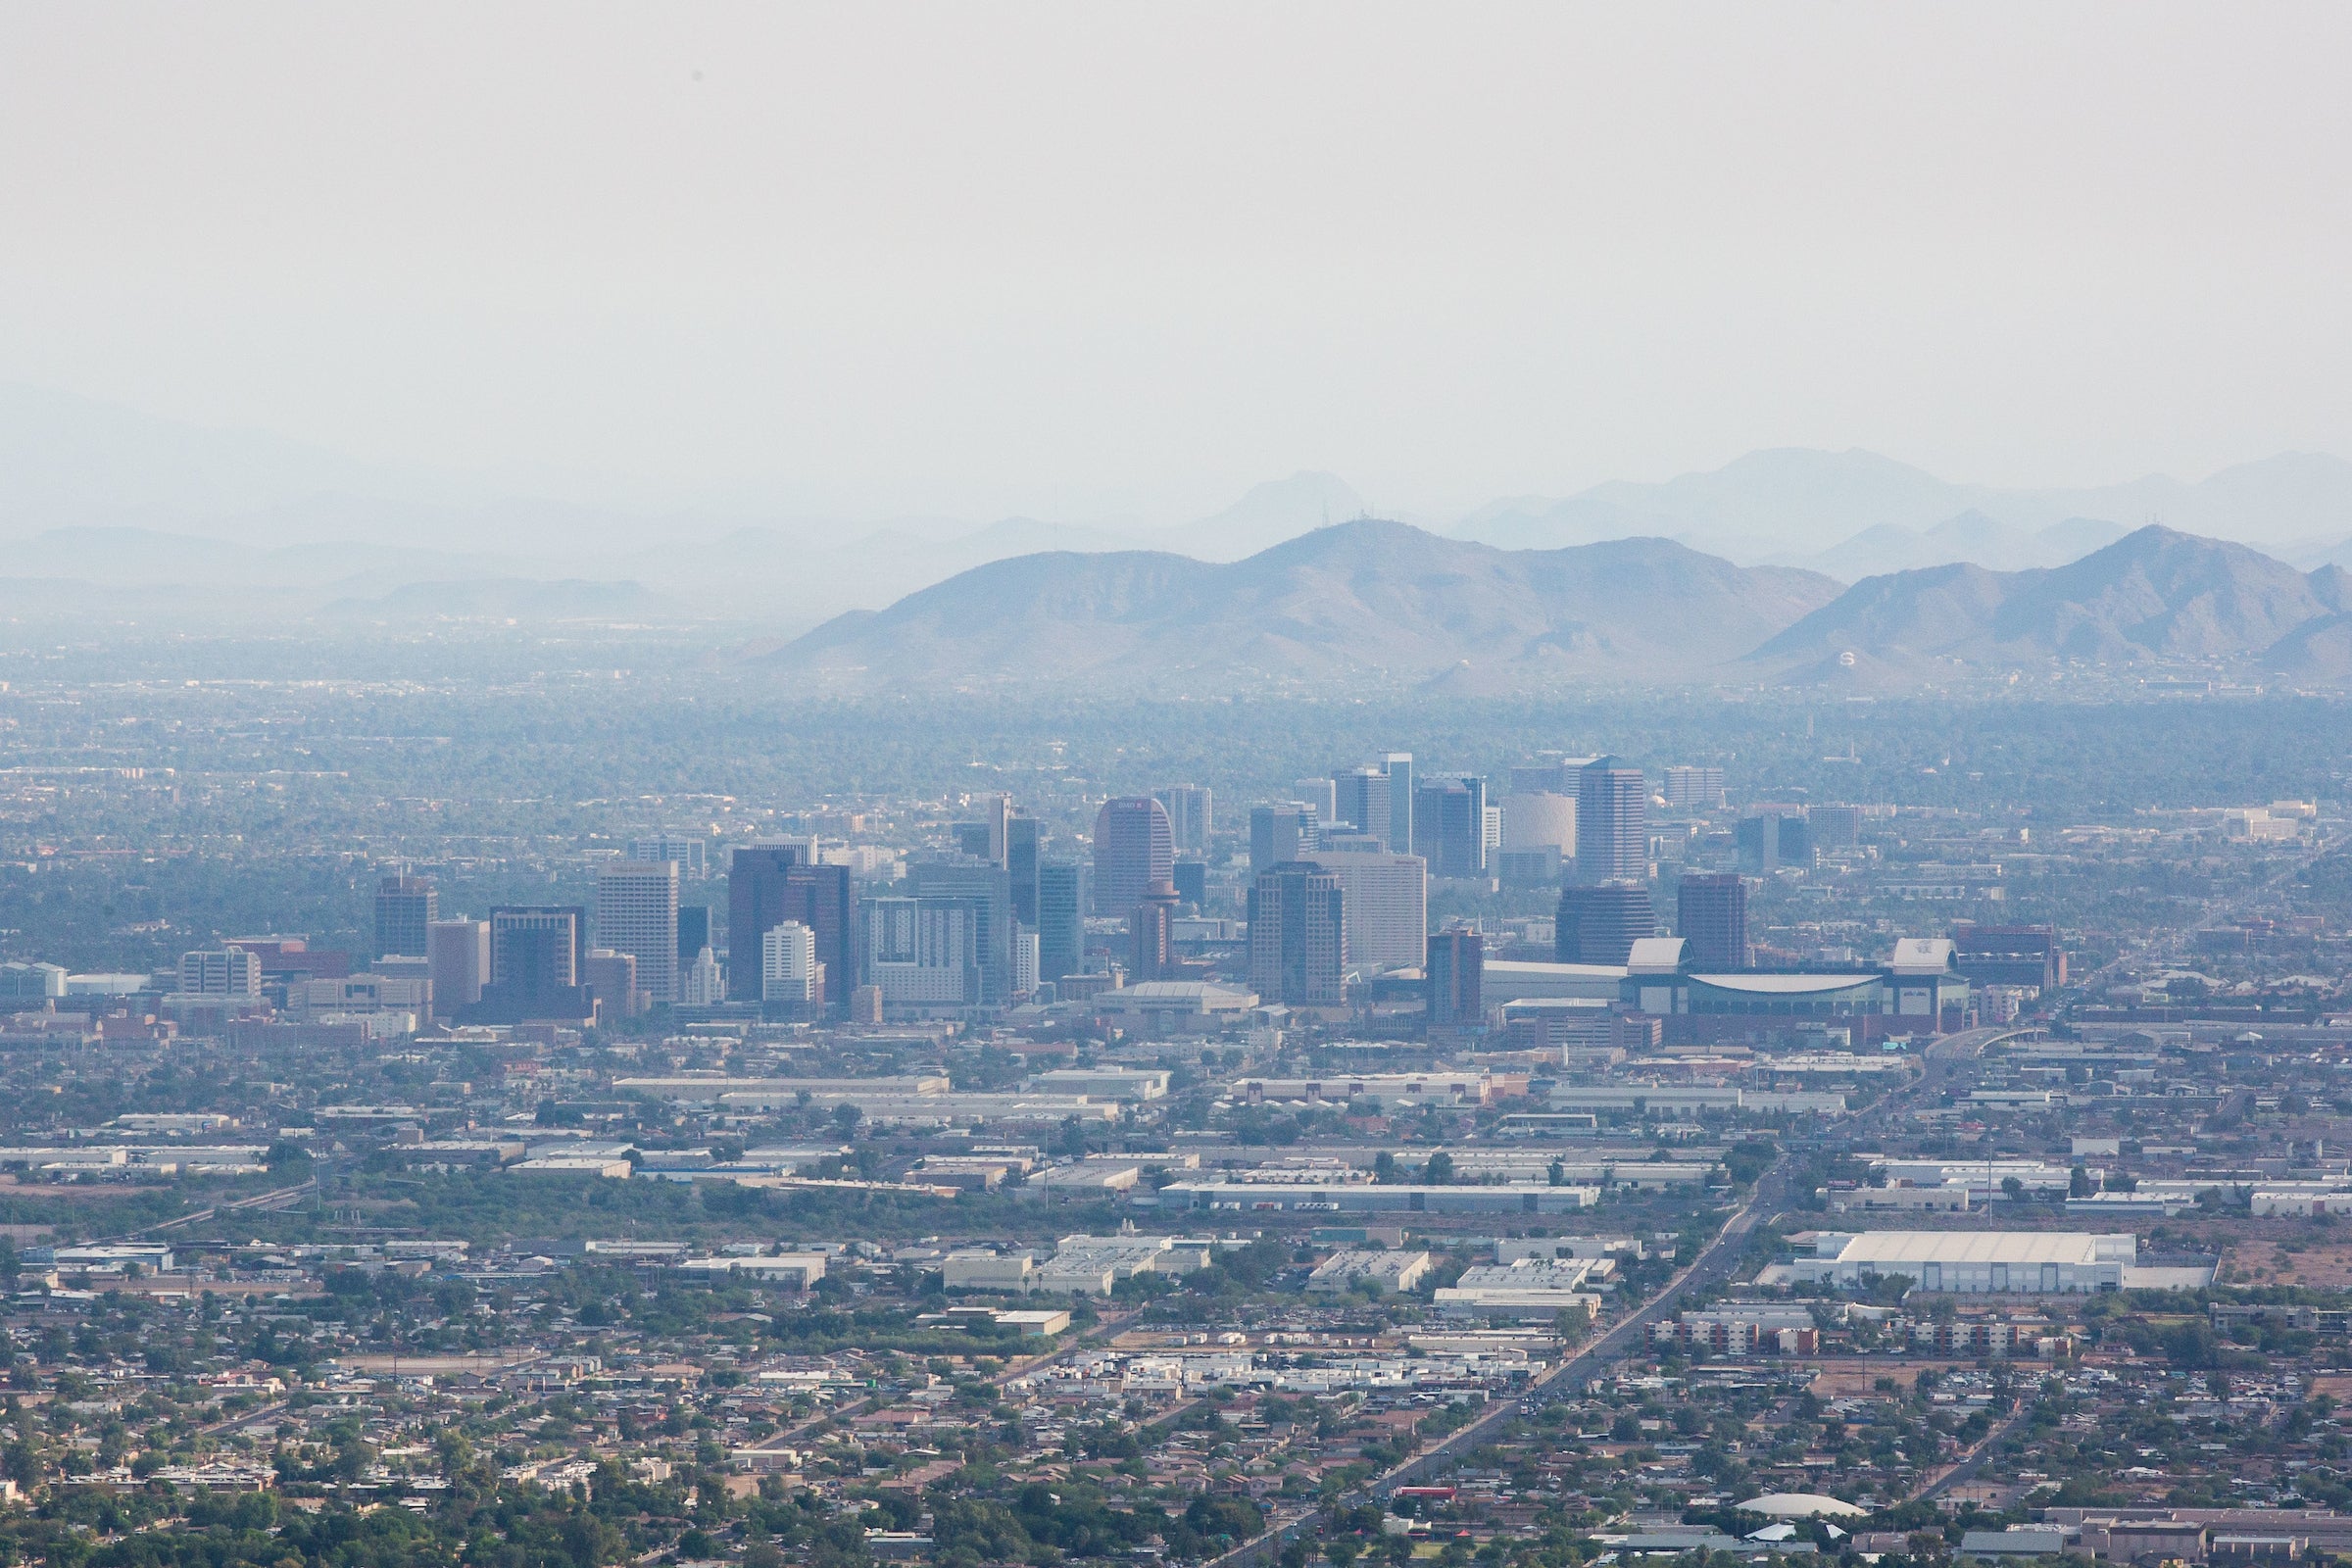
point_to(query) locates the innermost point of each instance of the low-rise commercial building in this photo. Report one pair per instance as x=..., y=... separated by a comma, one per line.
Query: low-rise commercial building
x=1528, y=1287
x=982, y=1269
x=801, y=1269
x=1360, y=1269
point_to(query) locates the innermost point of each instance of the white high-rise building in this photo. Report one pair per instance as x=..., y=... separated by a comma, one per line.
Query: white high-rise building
x=637, y=913
x=1024, y=962
x=220, y=972
x=1612, y=823
x=1695, y=789
x=1386, y=899
x=918, y=950
x=705, y=983
x=788, y=966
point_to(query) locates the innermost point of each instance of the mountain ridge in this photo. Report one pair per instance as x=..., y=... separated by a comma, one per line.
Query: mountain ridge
x=2156, y=595
x=1369, y=596
x=1383, y=601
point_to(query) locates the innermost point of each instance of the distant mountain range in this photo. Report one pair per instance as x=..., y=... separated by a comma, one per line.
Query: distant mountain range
x=1383, y=603
x=2154, y=596
x=1363, y=598
x=1855, y=513
x=97, y=498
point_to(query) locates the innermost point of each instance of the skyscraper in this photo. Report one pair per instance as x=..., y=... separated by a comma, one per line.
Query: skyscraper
x=405, y=908
x=694, y=934
x=1020, y=868
x=1693, y=789
x=1385, y=897
x=1279, y=833
x=1298, y=936
x=637, y=913
x=536, y=945
x=1450, y=824
x=769, y=884
x=790, y=975
x=536, y=957
x=1060, y=919
x=702, y=983
x=1187, y=813
x=220, y=972
x=690, y=852
x=1399, y=769
x=1455, y=960
x=1599, y=923
x=1771, y=835
x=1835, y=828
x=611, y=976
x=1134, y=849
x=1151, y=935
x=919, y=952
x=1612, y=823
x=987, y=891
x=1320, y=793
x=1360, y=799
x=1710, y=915
x=1191, y=882
x=996, y=811
x=457, y=963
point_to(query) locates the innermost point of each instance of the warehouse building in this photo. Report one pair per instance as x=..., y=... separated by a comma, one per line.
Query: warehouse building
x=1995, y=1262
x=1383, y=1273
x=1364, y=1198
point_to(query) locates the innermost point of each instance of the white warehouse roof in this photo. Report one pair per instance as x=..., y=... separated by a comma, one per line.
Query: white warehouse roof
x=1981, y=1246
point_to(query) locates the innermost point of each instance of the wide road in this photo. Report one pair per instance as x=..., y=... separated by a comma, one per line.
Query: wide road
x=1714, y=1266
x=1971, y=1461
x=1768, y=1201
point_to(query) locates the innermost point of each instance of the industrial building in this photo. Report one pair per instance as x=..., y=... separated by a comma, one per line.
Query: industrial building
x=1529, y=1287
x=1998, y=1263
x=1398, y=1198
x=1384, y=1272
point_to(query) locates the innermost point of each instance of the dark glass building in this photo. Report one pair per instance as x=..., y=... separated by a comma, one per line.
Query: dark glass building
x=1599, y=923
x=406, y=906
x=1710, y=915
x=769, y=884
x=1456, y=959
x=1298, y=936
x=1060, y=919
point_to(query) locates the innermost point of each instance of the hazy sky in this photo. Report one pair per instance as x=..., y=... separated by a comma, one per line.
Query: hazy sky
x=1113, y=259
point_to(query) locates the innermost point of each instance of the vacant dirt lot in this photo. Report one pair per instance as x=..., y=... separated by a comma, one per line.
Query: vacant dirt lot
x=1842, y=1379
x=2326, y=1266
